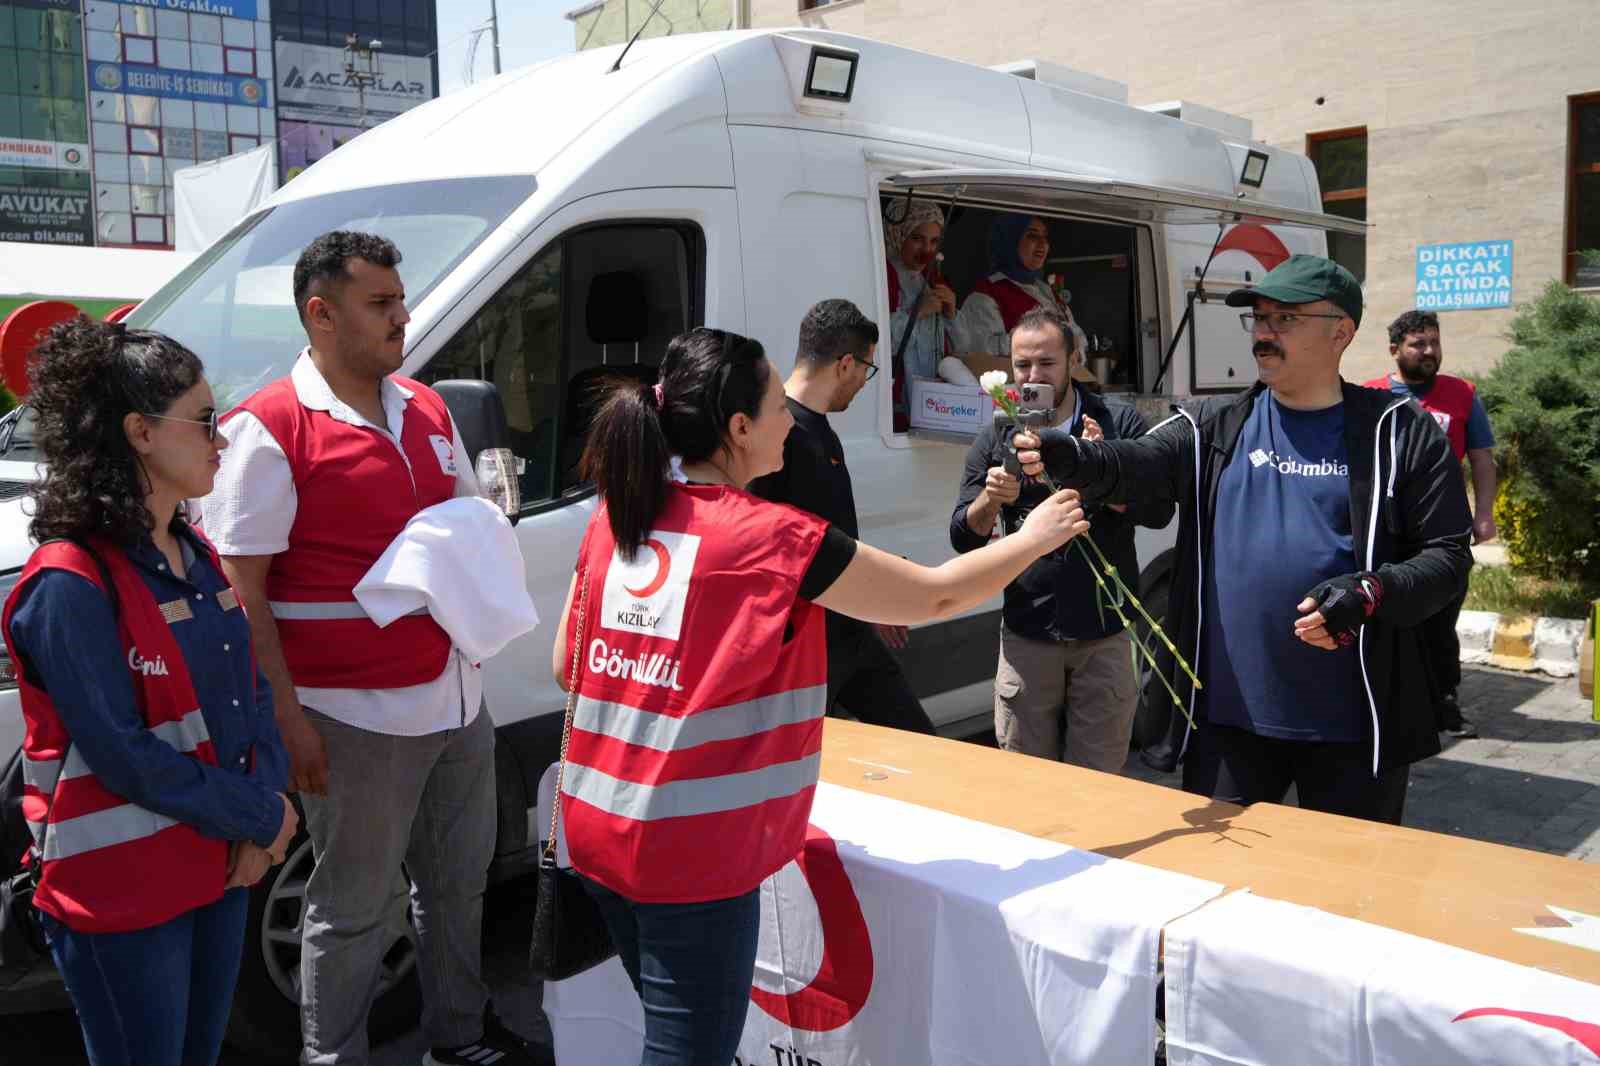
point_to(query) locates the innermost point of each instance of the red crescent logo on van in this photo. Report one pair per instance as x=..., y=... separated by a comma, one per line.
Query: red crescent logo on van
x=1585, y=1033
x=844, y=978
x=1256, y=241
x=663, y=568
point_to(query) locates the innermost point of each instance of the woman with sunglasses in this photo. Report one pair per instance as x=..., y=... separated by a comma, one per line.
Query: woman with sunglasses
x=153, y=769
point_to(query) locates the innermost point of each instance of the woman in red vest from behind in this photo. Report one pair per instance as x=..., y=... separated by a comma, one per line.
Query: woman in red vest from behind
x=153, y=771
x=694, y=628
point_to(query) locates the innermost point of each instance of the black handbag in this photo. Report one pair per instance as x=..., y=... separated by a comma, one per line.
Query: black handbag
x=569, y=932
x=22, y=943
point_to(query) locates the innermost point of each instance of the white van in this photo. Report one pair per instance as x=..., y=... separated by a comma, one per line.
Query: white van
x=564, y=221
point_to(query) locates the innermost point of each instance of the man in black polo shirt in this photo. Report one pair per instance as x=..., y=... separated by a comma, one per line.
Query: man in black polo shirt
x=834, y=361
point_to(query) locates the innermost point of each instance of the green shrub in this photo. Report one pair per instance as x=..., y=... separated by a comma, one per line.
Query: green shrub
x=1544, y=402
x=8, y=399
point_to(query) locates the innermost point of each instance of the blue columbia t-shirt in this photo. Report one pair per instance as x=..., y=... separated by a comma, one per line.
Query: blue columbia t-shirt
x=1282, y=525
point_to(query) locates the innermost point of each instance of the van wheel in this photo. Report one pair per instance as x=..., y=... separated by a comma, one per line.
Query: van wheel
x=1155, y=703
x=265, y=1020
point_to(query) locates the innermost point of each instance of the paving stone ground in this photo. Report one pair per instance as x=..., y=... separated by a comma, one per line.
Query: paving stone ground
x=1531, y=778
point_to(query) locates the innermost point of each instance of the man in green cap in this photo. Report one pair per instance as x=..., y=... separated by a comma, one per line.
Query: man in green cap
x=1320, y=523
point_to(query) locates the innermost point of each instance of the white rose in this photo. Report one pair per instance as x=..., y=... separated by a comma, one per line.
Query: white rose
x=992, y=380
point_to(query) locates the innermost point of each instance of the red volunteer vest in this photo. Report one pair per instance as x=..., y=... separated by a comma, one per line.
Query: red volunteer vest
x=111, y=866
x=1449, y=401
x=355, y=493
x=697, y=731
x=1013, y=300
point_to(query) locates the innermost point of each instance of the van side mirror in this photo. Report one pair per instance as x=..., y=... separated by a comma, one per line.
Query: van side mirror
x=481, y=418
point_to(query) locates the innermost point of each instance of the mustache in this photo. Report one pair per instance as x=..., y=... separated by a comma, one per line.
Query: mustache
x=1261, y=348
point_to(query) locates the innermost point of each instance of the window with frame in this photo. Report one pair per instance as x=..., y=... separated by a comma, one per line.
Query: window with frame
x=239, y=61
x=1340, y=158
x=596, y=303
x=1583, y=193
x=140, y=50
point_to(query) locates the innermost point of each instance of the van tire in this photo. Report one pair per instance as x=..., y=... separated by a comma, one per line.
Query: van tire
x=1154, y=713
x=265, y=1019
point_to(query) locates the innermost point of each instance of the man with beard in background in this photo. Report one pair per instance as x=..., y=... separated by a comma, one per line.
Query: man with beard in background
x=1453, y=402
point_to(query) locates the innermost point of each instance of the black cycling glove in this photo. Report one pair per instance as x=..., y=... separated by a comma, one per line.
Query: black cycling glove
x=1347, y=603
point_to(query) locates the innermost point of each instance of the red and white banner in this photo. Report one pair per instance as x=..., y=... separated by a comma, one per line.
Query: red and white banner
x=50, y=155
x=1259, y=982
x=905, y=935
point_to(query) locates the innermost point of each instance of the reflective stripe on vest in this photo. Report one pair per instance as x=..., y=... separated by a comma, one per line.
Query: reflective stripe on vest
x=663, y=732
x=114, y=825
x=701, y=795
x=323, y=612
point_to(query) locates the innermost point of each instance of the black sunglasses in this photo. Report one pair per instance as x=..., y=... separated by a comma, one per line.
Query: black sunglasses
x=210, y=423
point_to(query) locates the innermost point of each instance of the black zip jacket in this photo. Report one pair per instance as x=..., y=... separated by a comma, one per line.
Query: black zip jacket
x=1408, y=508
x=1055, y=598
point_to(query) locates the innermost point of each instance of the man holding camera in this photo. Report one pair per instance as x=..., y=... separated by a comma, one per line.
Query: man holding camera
x=1060, y=651
x=1320, y=524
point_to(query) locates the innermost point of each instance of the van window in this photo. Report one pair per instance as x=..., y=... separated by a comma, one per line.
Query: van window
x=1092, y=268
x=596, y=302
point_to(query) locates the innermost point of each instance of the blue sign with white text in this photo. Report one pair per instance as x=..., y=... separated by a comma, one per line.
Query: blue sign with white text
x=239, y=9
x=1463, y=277
x=178, y=84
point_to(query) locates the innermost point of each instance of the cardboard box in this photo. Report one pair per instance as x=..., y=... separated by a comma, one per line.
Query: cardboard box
x=980, y=363
x=949, y=408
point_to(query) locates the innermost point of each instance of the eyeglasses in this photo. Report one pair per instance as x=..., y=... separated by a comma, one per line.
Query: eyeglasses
x=872, y=370
x=209, y=423
x=1277, y=321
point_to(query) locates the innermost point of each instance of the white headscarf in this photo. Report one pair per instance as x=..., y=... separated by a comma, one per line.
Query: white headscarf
x=919, y=214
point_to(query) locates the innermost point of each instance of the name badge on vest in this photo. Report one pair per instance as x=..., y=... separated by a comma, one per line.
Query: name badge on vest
x=176, y=611
x=445, y=451
x=227, y=599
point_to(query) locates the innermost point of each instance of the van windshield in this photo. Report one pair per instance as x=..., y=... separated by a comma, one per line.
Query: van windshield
x=234, y=306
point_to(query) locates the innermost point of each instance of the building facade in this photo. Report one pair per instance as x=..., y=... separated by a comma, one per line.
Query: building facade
x=1466, y=133
x=605, y=22
x=327, y=93
x=45, y=185
x=101, y=102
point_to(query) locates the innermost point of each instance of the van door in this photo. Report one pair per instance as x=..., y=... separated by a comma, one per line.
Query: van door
x=594, y=292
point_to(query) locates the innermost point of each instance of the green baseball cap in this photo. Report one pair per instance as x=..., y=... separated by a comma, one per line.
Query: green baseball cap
x=1304, y=279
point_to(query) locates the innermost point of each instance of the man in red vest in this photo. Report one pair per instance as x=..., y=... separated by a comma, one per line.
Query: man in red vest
x=389, y=746
x=1453, y=402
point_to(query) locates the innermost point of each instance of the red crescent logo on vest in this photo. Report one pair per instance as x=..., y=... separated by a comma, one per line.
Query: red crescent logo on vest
x=1585, y=1033
x=663, y=568
x=844, y=977
x=1256, y=241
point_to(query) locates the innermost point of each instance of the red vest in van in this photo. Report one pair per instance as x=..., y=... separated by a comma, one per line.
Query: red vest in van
x=111, y=866
x=697, y=730
x=1449, y=401
x=1013, y=300
x=355, y=492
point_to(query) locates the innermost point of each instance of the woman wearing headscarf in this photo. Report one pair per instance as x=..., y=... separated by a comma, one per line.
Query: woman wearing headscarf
x=1018, y=248
x=919, y=299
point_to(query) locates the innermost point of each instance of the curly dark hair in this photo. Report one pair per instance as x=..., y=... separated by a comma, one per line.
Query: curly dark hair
x=86, y=377
x=1411, y=322
x=324, y=259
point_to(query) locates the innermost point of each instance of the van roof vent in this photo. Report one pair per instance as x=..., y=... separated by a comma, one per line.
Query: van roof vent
x=1048, y=73
x=1235, y=126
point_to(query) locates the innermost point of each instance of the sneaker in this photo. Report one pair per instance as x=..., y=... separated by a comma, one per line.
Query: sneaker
x=498, y=1046
x=1461, y=729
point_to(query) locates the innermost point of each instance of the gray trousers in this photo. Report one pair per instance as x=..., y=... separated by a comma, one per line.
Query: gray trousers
x=427, y=802
x=1088, y=683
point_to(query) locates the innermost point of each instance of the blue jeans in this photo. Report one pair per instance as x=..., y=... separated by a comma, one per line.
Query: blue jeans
x=157, y=996
x=691, y=964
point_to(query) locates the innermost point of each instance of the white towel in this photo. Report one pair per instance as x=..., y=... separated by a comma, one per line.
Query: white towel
x=459, y=561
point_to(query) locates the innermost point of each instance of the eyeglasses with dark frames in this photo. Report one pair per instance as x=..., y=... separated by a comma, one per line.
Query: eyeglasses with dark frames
x=1277, y=321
